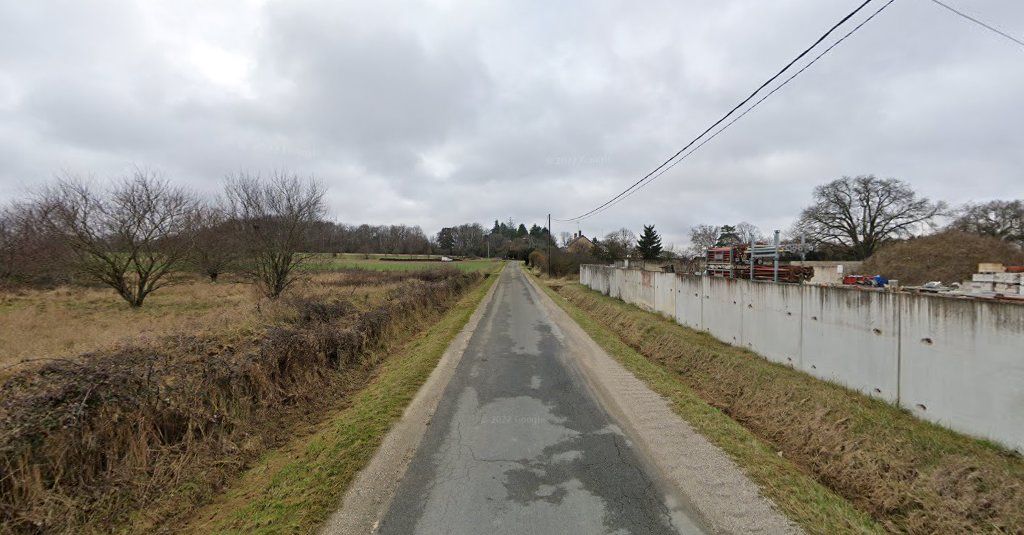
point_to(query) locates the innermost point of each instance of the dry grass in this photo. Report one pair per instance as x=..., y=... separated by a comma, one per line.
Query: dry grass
x=70, y=320
x=137, y=434
x=949, y=256
x=296, y=487
x=909, y=475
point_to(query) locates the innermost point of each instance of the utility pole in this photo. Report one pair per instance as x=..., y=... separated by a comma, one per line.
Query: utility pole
x=751, y=254
x=549, y=245
x=775, y=274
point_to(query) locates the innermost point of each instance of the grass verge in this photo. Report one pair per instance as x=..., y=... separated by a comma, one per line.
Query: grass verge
x=800, y=497
x=849, y=459
x=294, y=489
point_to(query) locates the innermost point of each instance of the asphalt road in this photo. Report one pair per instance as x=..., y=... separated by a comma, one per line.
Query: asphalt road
x=519, y=444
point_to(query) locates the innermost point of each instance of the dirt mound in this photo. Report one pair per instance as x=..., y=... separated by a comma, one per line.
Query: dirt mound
x=950, y=256
x=84, y=444
x=911, y=476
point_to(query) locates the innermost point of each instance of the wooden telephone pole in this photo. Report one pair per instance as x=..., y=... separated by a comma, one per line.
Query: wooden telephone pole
x=550, y=237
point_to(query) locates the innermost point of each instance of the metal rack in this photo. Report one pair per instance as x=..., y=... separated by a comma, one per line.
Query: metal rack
x=749, y=261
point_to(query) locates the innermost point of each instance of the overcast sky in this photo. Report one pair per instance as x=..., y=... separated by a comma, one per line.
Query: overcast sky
x=447, y=111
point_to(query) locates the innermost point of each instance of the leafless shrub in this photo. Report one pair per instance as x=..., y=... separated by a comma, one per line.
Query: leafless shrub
x=8, y=245
x=218, y=244
x=29, y=253
x=999, y=219
x=321, y=312
x=82, y=444
x=274, y=216
x=365, y=277
x=129, y=237
x=948, y=256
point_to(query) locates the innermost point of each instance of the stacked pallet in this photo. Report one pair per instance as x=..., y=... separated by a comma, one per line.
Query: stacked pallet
x=998, y=279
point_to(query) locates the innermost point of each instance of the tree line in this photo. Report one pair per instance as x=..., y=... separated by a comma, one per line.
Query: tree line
x=503, y=240
x=851, y=218
x=133, y=233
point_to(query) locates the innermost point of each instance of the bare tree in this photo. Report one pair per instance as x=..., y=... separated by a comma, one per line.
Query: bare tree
x=273, y=216
x=29, y=250
x=217, y=243
x=129, y=236
x=499, y=245
x=702, y=238
x=860, y=214
x=748, y=232
x=9, y=238
x=999, y=219
x=619, y=244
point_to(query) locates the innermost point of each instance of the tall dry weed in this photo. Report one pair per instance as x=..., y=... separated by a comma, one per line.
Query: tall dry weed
x=911, y=476
x=86, y=442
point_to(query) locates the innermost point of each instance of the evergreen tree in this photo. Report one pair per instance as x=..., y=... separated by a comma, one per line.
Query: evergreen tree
x=446, y=239
x=729, y=237
x=649, y=244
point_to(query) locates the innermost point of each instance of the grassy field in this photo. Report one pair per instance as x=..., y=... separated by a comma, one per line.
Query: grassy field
x=295, y=488
x=374, y=256
x=833, y=460
x=65, y=321
x=323, y=263
x=191, y=404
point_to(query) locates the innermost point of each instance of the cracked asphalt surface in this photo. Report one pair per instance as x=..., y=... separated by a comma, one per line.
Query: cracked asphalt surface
x=518, y=443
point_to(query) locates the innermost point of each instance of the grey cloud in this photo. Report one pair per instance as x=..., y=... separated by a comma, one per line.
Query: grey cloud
x=433, y=113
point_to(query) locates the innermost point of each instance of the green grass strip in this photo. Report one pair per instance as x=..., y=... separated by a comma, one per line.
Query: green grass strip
x=799, y=496
x=295, y=489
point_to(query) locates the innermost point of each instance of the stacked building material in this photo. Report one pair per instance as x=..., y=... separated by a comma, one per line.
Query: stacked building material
x=735, y=263
x=997, y=279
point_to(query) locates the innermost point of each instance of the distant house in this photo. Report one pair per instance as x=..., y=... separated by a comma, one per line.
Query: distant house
x=579, y=244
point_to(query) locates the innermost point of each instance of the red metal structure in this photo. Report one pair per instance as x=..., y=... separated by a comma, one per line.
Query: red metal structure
x=735, y=263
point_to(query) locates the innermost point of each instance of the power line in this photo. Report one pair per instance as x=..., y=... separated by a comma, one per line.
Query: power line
x=726, y=116
x=980, y=23
x=751, y=108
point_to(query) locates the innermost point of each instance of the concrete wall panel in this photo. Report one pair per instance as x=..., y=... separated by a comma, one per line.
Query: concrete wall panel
x=771, y=320
x=596, y=277
x=616, y=282
x=962, y=365
x=956, y=362
x=721, y=314
x=665, y=294
x=689, y=297
x=850, y=337
x=630, y=290
x=645, y=298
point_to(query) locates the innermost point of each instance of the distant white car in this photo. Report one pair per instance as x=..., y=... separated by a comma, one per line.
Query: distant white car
x=446, y=259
